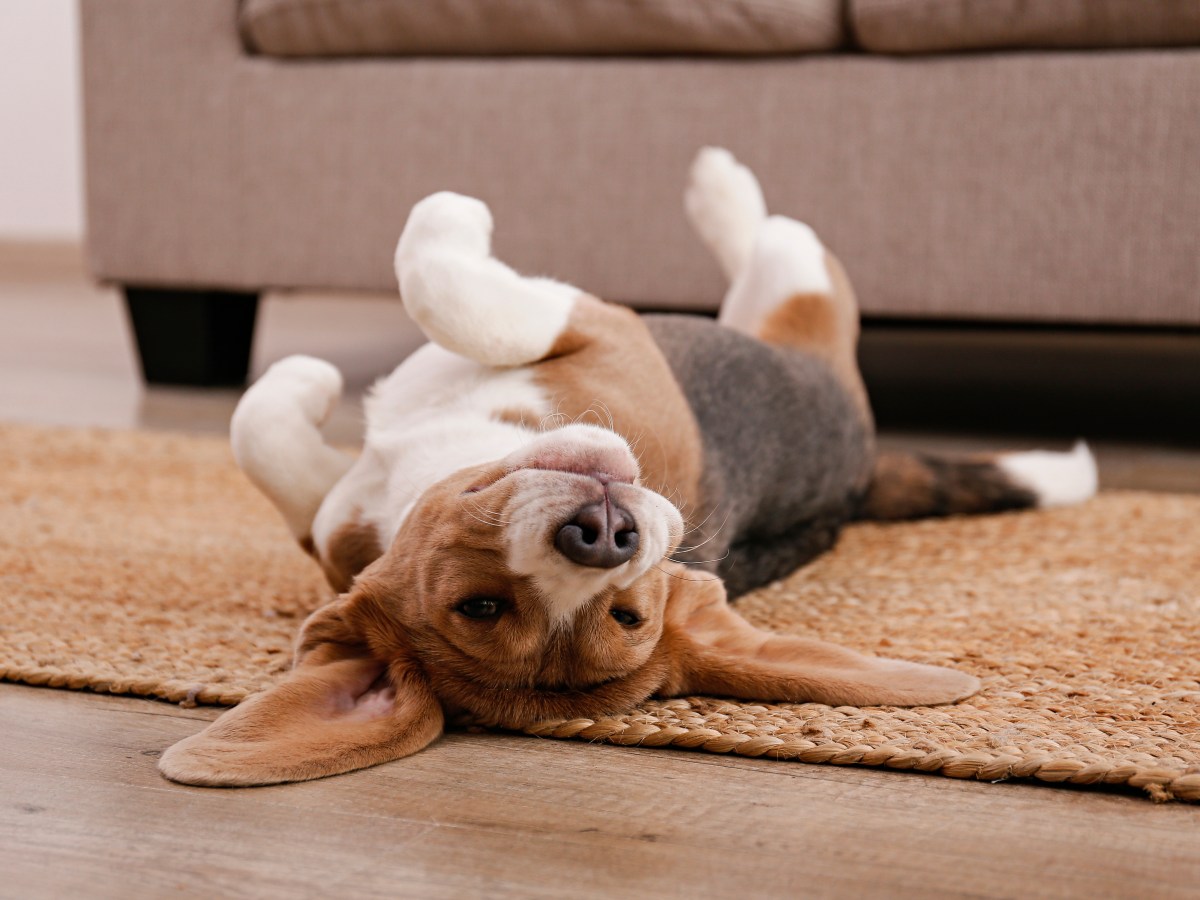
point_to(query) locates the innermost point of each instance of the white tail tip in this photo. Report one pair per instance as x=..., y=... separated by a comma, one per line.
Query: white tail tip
x=1058, y=479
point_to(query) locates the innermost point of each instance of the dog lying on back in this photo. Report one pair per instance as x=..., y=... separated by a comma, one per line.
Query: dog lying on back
x=499, y=559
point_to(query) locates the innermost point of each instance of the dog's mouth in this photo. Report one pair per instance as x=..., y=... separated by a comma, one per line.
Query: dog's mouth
x=603, y=476
x=580, y=450
x=584, y=450
x=584, y=468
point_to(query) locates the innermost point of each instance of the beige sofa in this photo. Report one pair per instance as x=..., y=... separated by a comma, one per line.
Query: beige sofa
x=1049, y=175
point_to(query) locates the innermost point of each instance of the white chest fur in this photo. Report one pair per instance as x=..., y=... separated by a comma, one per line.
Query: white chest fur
x=434, y=415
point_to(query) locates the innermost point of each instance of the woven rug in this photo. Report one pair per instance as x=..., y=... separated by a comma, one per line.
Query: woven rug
x=145, y=564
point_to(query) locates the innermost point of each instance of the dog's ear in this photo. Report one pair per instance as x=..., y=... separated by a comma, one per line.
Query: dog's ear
x=341, y=708
x=714, y=651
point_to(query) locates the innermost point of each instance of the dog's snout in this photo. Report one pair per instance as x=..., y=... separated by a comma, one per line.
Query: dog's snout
x=601, y=535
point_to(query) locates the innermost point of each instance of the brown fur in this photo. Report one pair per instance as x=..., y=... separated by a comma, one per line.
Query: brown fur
x=351, y=548
x=825, y=325
x=607, y=352
x=900, y=483
x=522, y=418
x=715, y=651
x=806, y=321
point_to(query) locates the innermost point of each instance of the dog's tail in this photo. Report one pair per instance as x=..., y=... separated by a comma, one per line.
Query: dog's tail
x=915, y=486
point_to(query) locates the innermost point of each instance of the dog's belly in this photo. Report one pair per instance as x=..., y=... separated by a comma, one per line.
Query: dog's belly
x=784, y=443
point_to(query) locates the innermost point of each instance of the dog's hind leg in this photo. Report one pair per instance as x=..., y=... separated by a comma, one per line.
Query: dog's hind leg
x=785, y=287
x=276, y=438
x=465, y=299
x=788, y=290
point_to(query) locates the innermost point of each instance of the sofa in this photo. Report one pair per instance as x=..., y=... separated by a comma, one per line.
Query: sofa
x=1027, y=161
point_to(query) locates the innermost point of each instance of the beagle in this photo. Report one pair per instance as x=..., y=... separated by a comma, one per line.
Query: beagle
x=556, y=497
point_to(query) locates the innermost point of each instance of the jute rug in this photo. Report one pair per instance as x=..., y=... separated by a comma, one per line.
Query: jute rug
x=145, y=564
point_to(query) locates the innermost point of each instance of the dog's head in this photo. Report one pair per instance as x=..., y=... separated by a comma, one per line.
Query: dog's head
x=536, y=587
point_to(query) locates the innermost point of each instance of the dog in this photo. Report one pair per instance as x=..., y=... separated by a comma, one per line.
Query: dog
x=509, y=545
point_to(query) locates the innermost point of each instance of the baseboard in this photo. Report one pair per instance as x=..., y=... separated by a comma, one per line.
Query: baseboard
x=41, y=259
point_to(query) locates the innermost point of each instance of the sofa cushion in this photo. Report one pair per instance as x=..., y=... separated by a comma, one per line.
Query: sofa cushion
x=925, y=26
x=466, y=27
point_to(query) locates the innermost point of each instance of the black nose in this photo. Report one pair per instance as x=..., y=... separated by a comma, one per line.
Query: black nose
x=601, y=535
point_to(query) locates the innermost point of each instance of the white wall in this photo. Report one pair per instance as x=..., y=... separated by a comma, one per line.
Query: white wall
x=41, y=195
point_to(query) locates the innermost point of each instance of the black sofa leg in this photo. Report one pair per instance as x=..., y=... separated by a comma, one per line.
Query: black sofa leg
x=199, y=338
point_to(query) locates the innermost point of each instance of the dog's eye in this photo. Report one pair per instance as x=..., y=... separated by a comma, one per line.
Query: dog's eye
x=481, y=607
x=625, y=617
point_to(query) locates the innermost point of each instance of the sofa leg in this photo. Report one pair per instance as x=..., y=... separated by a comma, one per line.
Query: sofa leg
x=199, y=338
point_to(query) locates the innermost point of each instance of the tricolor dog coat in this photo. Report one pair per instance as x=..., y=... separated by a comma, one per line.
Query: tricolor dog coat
x=556, y=498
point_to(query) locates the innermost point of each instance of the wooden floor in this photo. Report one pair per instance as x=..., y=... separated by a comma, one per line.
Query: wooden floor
x=83, y=812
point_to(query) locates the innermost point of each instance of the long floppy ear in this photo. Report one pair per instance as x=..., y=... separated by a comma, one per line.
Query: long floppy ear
x=341, y=708
x=715, y=651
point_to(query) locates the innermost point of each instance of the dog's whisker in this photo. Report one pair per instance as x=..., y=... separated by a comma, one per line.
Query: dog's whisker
x=488, y=517
x=712, y=536
x=482, y=521
x=699, y=562
x=712, y=512
x=603, y=407
x=677, y=576
x=498, y=521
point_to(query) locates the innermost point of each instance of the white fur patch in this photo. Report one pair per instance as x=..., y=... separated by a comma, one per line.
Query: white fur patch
x=725, y=205
x=434, y=382
x=427, y=420
x=466, y=300
x=788, y=259
x=276, y=438
x=1058, y=479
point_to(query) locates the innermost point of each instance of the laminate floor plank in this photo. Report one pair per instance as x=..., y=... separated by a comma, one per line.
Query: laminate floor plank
x=490, y=815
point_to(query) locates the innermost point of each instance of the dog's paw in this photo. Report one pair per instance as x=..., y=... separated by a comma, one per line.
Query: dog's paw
x=446, y=223
x=307, y=382
x=725, y=204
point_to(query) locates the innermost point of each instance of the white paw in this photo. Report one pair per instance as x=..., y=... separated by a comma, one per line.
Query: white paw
x=726, y=207
x=794, y=256
x=311, y=384
x=445, y=223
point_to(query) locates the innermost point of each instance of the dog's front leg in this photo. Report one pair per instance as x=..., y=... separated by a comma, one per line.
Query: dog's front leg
x=277, y=440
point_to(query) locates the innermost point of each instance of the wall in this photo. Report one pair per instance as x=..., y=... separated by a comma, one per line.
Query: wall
x=41, y=194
